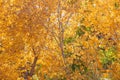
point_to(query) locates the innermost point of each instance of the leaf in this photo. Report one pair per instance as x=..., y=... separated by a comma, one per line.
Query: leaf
x=75, y=67
x=79, y=32
x=116, y=5
x=68, y=54
x=69, y=40
x=35, y=77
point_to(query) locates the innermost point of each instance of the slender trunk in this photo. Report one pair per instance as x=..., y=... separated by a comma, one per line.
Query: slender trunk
x=61, y=33
x=31, y=73
x=62, y=45
x=33, y=66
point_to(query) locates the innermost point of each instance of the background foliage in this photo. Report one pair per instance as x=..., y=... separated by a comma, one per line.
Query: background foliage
x=59, y=39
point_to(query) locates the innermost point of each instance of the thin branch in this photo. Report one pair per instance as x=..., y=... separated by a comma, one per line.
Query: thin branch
x=53, y=33
x=61, y=32
x=68, y=19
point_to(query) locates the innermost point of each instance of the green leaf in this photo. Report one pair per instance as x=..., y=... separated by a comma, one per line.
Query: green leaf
x=108, y=56
x=69, y=40
x=116, y=5
x=68, y=54
x=88, y=29
x=75, y=67
x=35, y=77
x=63, y=78
x=79, y=32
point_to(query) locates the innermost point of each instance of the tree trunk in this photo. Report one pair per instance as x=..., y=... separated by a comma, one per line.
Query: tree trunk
x=33, y=66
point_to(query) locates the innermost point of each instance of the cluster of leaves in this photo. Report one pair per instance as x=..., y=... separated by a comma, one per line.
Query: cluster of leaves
x=108, y=56
x=79, y=65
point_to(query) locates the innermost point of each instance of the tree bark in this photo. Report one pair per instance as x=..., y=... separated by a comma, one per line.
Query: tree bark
x=33, y=66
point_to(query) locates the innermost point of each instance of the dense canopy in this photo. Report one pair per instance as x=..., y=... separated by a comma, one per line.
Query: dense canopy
x=59, y=39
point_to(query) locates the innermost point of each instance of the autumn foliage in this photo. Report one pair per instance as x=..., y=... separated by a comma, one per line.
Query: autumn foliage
x=59, y=39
